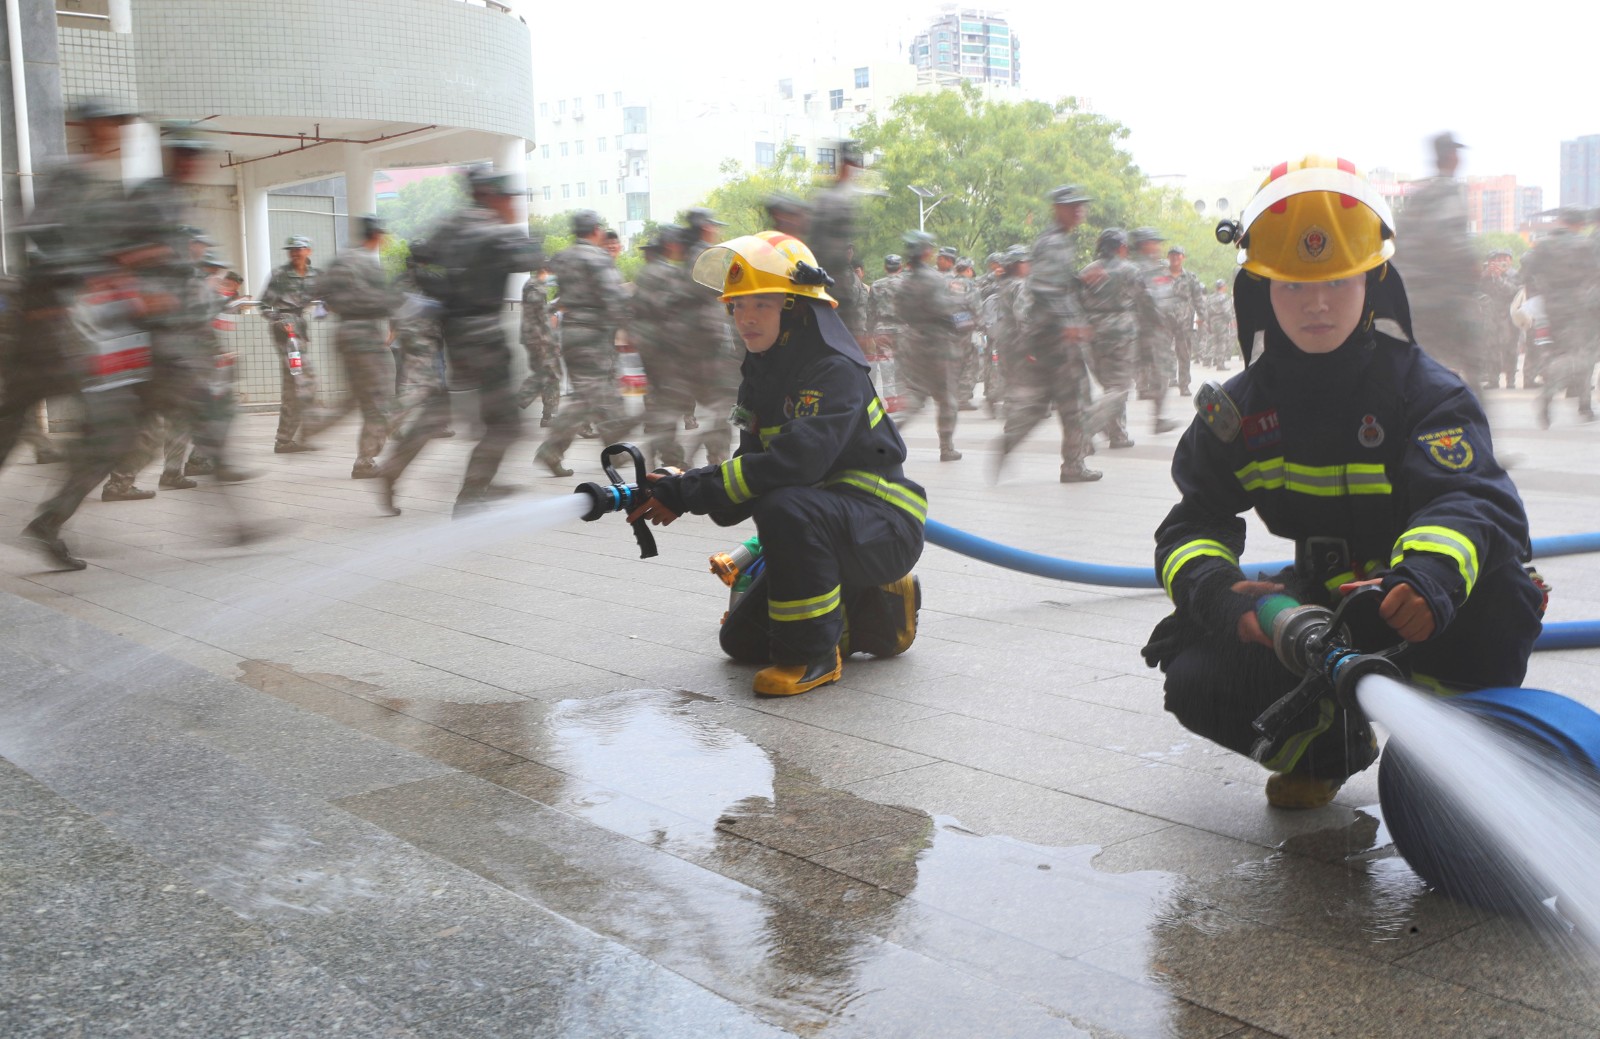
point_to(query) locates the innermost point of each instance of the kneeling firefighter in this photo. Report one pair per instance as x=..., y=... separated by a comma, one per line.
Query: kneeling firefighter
x=818, y=467
x=1375, y=460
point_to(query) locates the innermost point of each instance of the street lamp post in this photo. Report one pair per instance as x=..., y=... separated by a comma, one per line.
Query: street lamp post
x=923, y=207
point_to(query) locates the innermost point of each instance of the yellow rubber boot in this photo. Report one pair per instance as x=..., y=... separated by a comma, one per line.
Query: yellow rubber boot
x=790, y=679
x=1290, y=790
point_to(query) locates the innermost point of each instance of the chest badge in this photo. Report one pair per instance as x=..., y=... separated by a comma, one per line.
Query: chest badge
x=1448, y=449
x=1370, y=434
x=1262, y=430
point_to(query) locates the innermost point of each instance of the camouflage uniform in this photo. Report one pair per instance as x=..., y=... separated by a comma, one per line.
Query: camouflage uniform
x=833, y=229
x=883, y=324
x=1045, y=364
x=591, y=304
x=655, y=315
x=287, y=299
x=544, y=356
x=1112, y=305
x=1156, y=310
x=1562, y=269
x=1496, y=291
x=1189, y=320
x=359, y=292
x=966, y=290
x=709, y=357
x=1434, y=253
x=471, y=254
x=989, y=285
x=1220, y=339
x=421, y=397
x=926, y=308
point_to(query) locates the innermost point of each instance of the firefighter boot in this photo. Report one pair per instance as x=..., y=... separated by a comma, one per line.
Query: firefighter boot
x=1294, y=790
x=789, y=679
x=883, y=620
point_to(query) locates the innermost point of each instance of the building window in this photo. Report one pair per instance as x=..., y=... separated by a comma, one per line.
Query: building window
x=827, y=159
x=835, y=100
x=599, y=144
x=561, y=108
x=544, y=151
x=577, y=105
x=583, y=189
x=635, y=120
x=566, y=191
x=800, y=152
x=616, y=99
x=563, y=149
x=786, y=89
x=605, y=187
x=547, y=192
x=577, y=147
x=599, y=100
x=766, y=154
x=862, y=78
x=544, y=108
x=619, y=142
x=638, y=206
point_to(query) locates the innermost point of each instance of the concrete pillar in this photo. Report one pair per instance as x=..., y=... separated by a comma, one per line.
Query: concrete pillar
x=121, y=12
x=360, y=198
x=512, y=156
x=141, y=152
x=256, y=250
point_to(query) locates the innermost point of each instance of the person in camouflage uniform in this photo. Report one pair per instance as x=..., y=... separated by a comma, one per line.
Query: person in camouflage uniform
x=833, y=230
x=966, y=285
x=591, y=305
x=421, y=399
x=1046, y=366
x=655, y=312
x=470, y=254
x=883, y=325
x=287, y=303
x=544, y=354
x=1219, y=326
x=1188, y=314
x=1434, y=251
x=1157, y=313
x=1562, y=269
x=1002, y=315
x=360, y=293
x=708, y=354
x=1497, y=287
x=1113, y=292
x=930, y=354
x=988, y=288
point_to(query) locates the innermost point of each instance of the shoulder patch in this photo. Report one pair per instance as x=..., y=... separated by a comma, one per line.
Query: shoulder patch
x=806, y=403
x=1449, y=449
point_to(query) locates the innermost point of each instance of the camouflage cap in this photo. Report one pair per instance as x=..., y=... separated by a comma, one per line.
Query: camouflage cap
x=1179, y=250
x=964, y=263
x=1141, y=235
x=993, y=258
x=699, y=217
x=948, y=252
x=297, y=241
x=1220, y=284
x=893, y=262
x=1111, y=238
x=669, y=234
x=585, y=222
x=370, y=225
x=1446, y=144
x=486, y=180
x=1014, y=255
x=783, y=202
x=918, y=242
x=1069, y=195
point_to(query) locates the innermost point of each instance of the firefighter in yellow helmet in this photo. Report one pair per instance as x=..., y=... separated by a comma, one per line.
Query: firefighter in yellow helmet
x=1344, y=437
x=819, y=469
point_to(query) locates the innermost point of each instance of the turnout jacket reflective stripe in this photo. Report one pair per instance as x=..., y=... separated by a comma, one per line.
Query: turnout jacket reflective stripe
x=808, y=415
x=1374, y=444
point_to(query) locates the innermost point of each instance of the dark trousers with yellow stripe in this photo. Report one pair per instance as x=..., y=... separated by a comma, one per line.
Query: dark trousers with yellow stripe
x=818, y=544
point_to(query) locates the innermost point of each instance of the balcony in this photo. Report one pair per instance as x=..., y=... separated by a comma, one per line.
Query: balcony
x=635, y=142
x=637, y=184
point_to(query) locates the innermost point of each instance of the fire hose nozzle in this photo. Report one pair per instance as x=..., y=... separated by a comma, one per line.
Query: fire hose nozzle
x=619, y=495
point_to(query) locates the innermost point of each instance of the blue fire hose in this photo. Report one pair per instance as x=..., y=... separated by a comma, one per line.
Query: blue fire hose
x=1565, y=635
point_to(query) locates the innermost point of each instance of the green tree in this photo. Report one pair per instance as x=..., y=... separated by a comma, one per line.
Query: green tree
x=1509, y=240
x=741, y=199
x=418, y=206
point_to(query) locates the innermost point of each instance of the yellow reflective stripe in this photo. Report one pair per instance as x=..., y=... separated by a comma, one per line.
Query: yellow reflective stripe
x=874, y=413
x=1181, y=556
x=1323, y=481
x=803, y=609
x=1289, y=754
x=1333, y=584
x=767, y=433
x=733, y=484
x=891, y=492
x=1445, y=542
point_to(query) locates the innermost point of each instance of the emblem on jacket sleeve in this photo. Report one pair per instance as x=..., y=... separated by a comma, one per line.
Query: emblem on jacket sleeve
x=1448, y=448
x=807, y=404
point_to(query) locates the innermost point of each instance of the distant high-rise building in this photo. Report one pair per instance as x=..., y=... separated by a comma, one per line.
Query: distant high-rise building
x=1580, y=171
x=968, y=44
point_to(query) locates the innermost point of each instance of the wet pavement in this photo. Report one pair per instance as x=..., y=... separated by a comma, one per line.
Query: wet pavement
x=403, y=777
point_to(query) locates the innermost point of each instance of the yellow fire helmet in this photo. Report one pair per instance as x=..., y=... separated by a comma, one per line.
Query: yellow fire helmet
x=1315, y=219
x=769, y=261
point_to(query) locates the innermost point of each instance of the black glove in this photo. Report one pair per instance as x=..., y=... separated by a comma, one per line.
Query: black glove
x=669, y=492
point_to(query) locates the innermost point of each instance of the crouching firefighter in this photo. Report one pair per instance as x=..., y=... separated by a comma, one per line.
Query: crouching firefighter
x=818, y=467
x=1375, y=460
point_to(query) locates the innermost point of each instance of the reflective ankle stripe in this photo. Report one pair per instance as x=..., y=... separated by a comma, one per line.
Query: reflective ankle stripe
x=895, y=494
x=803, y=609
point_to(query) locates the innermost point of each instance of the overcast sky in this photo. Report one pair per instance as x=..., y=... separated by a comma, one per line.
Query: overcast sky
x=1211, y=91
